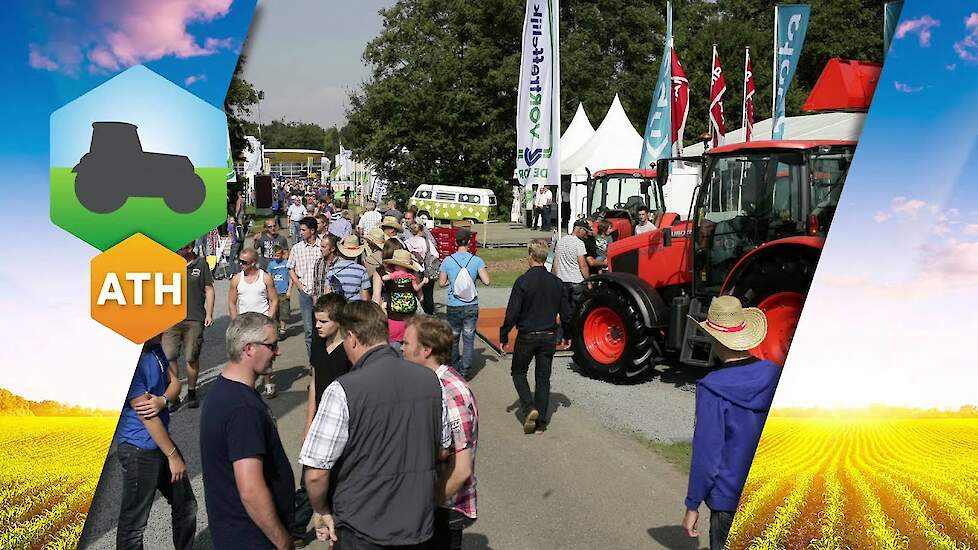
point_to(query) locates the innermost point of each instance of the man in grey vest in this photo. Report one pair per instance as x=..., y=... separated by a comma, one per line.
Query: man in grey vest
x=372, y=449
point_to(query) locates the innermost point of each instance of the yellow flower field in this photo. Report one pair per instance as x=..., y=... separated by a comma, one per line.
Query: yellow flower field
x=861, y=482
x=49, y=468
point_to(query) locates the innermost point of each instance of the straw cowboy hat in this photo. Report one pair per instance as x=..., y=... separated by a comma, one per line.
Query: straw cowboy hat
x=376, y=237
x=350, y=247
x=404, y=258
x=734, y=326
x=391, y=221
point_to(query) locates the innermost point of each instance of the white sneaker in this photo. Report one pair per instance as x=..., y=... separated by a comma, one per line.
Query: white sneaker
x=270, y=392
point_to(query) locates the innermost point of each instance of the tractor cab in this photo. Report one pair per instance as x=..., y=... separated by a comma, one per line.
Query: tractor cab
x=617, y=194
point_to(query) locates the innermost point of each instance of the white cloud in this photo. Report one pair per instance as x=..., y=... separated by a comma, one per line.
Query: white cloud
x=881, y=217
x=194, y=78
x=967, y=47
x=907, y=207
x=971, y=229
x=906, y=88
x=951, y=66
x=920, y=26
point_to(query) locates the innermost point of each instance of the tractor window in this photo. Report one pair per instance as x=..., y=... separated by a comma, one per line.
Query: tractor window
x=745, y=202
x=828, y=174
x=621, y=192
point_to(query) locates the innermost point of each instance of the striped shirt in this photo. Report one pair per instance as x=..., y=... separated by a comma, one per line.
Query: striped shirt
x=463, y=418
x=350, y=276
x=302, y=261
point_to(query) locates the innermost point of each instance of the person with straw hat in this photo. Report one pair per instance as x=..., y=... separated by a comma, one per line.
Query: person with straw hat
x=346, y=275
x=402, y=286
x=392, y=228
x=732, y=403
x=374, y=254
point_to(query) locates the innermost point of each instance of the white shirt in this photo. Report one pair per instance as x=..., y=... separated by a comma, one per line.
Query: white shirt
x=296, y=212
x=369, y=220
x=649, y=226
x=569, y=248
x=543, y=199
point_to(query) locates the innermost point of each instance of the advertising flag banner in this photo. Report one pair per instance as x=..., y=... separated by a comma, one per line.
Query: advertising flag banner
x=345, y=161
x=791, y=24
x=891, y=16
x=658, y=127
x=538, y=109
x=749, y=89
x=680, y=103
x=718, y=86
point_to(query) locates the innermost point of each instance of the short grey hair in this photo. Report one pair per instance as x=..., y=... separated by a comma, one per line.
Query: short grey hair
x=247, y=328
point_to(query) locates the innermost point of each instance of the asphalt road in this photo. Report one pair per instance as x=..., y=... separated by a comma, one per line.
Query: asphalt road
x=585, y=483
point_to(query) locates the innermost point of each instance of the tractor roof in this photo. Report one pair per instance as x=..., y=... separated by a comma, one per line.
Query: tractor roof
x=795, y=144
x=637, y=172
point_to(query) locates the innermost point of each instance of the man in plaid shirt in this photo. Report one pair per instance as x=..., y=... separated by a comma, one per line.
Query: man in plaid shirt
x=302, y=265
x=428, y=342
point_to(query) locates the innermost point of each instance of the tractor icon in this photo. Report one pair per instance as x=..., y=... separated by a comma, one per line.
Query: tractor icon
x=116, y=168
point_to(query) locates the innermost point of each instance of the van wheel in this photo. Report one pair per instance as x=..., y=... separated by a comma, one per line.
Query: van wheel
x=473, y=221
x=424, y=216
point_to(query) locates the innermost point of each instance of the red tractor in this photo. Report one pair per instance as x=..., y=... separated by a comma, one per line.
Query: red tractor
x=615, y=194
x=759, y=221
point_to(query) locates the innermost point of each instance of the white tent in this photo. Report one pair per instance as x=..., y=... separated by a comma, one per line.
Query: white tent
x=578, y=132
x=841, y=126
x=615, y=144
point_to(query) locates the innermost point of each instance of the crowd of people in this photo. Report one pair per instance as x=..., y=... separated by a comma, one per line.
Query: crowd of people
x=391, y=422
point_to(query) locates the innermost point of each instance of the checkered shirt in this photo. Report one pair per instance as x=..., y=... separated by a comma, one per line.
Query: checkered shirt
x=319, y=287
x=330, y=429
x=463, y=415
x=302, y=260
x=370, y=220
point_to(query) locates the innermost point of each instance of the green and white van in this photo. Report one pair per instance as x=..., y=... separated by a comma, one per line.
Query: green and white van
x=448, y=202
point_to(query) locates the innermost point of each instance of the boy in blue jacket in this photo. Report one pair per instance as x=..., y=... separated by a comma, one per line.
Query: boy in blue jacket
x=732, y=403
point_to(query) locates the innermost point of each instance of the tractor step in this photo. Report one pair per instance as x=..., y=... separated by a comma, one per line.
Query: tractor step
x=697, y=346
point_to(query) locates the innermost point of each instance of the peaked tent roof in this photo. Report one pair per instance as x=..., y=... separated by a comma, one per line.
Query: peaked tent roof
x=578, y=132
x=829, y=126
x=614, y=144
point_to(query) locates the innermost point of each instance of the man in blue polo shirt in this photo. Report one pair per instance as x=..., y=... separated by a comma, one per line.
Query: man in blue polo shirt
x=149, y=458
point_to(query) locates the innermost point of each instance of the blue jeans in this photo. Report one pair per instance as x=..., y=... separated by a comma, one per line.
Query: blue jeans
x=463, y=320
x=308, y=321
x=295, y=232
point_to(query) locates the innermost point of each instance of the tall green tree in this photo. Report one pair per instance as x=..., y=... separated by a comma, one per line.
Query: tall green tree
x=440, y=103
x=238, y=104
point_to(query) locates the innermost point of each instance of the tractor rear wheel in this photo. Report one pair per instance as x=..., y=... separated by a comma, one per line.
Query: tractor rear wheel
x=611, y=340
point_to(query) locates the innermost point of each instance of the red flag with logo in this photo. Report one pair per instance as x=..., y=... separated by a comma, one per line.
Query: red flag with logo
x=718, y=86
x=749, y=90
x=680, y=102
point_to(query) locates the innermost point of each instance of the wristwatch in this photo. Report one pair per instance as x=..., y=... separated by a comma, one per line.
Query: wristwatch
x=166, y=402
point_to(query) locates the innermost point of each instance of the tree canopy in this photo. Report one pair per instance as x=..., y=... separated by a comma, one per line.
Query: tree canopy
x=440, y=103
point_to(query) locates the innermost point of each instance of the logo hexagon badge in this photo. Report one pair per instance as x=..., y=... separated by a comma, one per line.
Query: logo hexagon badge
x=138, y=154
x=139, y=288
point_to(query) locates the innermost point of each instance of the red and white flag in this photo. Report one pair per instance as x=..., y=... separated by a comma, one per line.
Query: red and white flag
x=680, y=103
x=749, y=89
x=718, y=86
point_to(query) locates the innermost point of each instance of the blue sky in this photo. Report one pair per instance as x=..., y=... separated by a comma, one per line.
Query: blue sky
x=54, y=51
x=891, y=315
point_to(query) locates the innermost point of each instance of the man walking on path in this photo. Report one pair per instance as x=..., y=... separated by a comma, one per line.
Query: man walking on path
x=248, y=481
x=252, y=289
x=570, y=266
x=340, y=225
x=370, y=219
x=731, y=406
x=533, y=307
x=459, y=272
x=266, y=242
x=428, y=342
x=188, y=335
x=150, y=460
x=278, y=268
x=295, y=213
x=302, y=265
x=376, y=438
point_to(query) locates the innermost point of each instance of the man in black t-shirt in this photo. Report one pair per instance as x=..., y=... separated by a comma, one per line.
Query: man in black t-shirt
x=188, y=335
x=266, y=241
x=248, y=480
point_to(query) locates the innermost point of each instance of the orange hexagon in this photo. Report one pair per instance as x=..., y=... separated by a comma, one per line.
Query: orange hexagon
x=139, y=288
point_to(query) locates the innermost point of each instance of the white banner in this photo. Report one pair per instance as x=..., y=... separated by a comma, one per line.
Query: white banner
x=538, y=107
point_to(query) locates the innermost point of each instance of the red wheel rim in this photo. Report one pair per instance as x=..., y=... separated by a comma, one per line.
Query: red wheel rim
x=604, y=335
x=782, y=311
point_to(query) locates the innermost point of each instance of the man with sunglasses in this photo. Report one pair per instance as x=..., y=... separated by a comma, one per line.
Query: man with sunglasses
x=253, y=290
x=265, y=243
x=248, y=480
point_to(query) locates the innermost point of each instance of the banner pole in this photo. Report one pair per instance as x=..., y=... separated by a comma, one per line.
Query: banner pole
x=743, y=103
x=774, y=73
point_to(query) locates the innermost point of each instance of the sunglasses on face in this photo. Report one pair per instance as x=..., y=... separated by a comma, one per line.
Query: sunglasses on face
x=273, y=346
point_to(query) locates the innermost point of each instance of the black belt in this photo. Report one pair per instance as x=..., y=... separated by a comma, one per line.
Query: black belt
x=536, y=332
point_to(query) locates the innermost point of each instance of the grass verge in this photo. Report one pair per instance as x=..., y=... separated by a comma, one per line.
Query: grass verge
x=677, y=454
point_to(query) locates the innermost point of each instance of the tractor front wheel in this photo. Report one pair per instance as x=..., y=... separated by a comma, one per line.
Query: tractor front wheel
x=610, y=337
